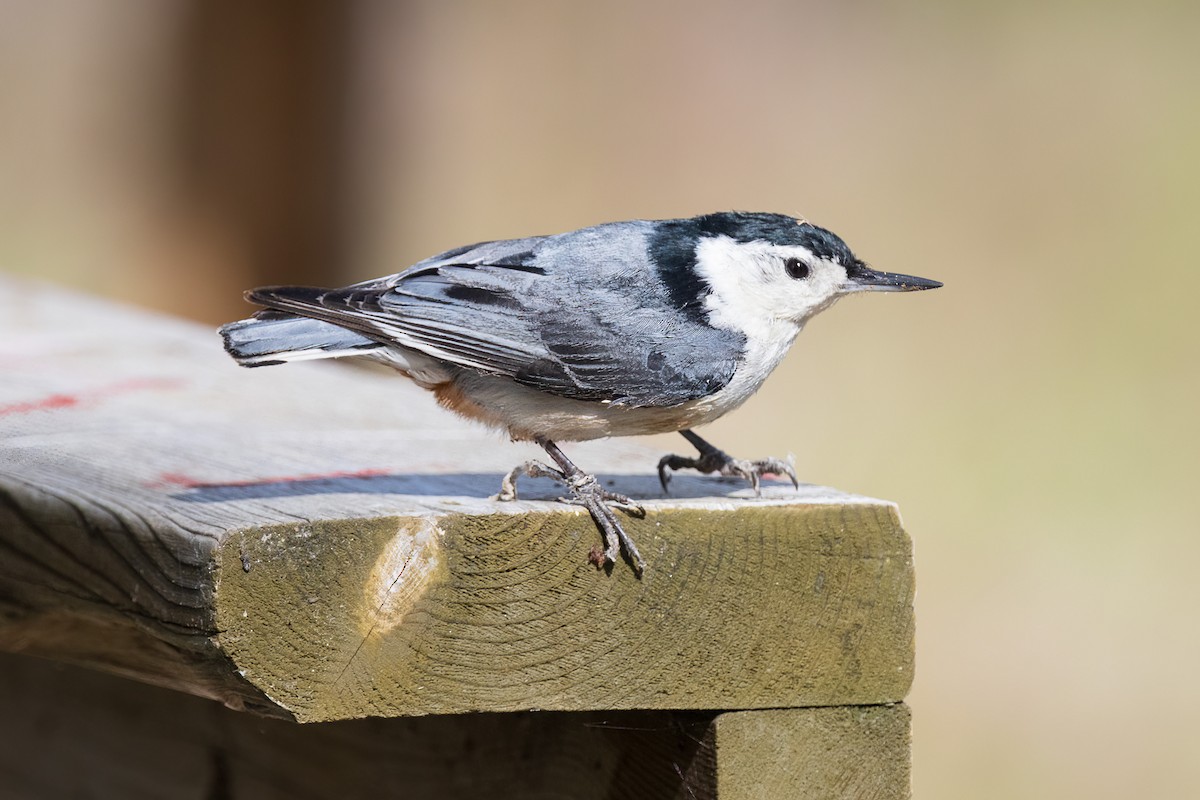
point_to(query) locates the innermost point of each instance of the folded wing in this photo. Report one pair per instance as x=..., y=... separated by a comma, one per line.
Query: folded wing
x=501, y=309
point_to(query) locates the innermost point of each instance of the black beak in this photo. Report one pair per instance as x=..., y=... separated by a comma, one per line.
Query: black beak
x=861, y=278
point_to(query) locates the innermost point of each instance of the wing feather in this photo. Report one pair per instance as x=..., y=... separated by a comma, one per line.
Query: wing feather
x=510, y=309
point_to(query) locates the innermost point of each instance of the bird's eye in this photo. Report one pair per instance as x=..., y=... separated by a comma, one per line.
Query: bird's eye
x=796, y=268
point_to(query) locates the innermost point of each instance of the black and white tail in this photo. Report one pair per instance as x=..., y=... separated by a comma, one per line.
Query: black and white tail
x=275, y=337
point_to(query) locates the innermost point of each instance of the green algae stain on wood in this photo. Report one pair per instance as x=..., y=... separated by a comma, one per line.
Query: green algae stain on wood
x=740, y=607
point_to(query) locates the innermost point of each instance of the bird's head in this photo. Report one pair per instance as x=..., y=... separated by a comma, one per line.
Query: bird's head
x=781, y=267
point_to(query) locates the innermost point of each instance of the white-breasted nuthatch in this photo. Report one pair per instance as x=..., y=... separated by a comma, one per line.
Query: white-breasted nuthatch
x=615, y=330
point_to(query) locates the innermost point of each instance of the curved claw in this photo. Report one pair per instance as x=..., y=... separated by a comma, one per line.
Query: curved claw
x=627, y=502
x=614, y=535
x=785, y=468
x=713, y=460
x=534, y=469
x=664, y=477
x=588, y=493
x=754, y=470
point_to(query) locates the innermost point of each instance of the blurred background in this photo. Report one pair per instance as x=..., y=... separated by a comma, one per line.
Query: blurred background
x=1035, y=419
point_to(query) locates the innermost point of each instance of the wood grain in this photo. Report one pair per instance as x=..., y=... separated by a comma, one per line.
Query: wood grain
x=319, y=541
x=851, y=751
x=745, y=608
x=69, y=732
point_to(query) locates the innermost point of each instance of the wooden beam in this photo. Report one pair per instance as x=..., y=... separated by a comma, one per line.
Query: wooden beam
x=70, y=732
x=849, y=751
x=319, y=541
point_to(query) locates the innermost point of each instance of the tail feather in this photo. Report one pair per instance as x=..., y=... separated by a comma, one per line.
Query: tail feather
x=273, y=337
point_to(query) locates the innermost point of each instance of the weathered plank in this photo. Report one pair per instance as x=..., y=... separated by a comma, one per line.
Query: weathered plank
x=848, y=751
x=319, y=541
x=68, y=732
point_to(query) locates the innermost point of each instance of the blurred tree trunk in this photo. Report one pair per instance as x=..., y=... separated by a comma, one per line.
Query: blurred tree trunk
x=261, y=116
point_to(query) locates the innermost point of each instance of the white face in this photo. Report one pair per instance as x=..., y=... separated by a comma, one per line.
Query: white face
x=759, y=283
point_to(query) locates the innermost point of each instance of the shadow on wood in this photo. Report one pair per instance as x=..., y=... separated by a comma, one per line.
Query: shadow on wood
x=69, y=732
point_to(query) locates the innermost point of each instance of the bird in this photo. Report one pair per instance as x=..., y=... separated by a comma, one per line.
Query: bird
x=618, y=329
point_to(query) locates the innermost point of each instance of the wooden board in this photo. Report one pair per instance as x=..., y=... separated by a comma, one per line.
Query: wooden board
x=319, y=541
x=68, y=732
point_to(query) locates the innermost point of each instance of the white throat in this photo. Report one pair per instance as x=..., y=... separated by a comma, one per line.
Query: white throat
x=745, y=297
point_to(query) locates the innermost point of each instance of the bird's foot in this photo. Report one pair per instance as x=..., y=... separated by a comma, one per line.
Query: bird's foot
x=712, y=459
x=534, y=469
x=586, y=491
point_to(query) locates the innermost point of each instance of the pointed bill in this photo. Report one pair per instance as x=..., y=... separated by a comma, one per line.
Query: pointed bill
x=861, y=278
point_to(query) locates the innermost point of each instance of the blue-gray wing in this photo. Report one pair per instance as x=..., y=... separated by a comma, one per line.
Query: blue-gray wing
x=580, y=315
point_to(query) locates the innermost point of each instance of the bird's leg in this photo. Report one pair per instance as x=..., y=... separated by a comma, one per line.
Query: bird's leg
x=712, y=459
x=586, y=491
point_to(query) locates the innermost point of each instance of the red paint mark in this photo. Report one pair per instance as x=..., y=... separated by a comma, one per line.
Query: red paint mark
x=187, y=482
x=53, y=402
x=44, y=404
